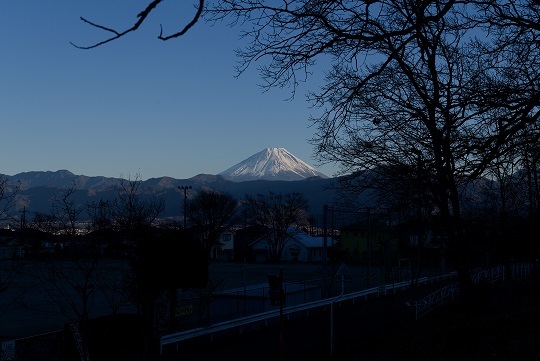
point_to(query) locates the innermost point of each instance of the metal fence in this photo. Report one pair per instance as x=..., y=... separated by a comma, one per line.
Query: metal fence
x=44, y=347
x=212, y=307
x=489, y=276
x=208, y=307
x=268, y=315
x=437, y=298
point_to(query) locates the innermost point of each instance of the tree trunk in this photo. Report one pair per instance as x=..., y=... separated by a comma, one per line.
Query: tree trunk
x=151, y=346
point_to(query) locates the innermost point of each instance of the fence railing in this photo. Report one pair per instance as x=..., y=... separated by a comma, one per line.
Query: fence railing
x=437, y=298
x=176, y=338
x=490, y=276
x=243, y=301
x=240, y=302
x=46, y=346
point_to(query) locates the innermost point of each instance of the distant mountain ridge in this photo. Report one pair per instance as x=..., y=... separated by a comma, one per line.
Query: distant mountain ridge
x=38, y=189
x=271, y=164
x=62, y=179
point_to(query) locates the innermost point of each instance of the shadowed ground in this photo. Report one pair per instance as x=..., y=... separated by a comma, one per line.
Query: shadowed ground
x=26, y=308
x=503, y=323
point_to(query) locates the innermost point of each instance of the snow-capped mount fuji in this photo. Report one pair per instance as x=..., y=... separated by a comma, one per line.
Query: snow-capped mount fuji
x=271, y=164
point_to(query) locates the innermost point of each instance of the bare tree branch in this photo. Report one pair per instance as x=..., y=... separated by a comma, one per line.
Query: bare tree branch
x=196, y=18
x=8, y=195
x=211, y=213
x=280, y=214
x=142, y=17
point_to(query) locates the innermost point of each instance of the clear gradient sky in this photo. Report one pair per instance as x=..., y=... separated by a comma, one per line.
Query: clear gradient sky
x=137, y=105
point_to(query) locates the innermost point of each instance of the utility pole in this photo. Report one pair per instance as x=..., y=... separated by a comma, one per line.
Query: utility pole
x=368, y=246
x=325, y=250
x=185, y=189
x=23, y=218
x=281, y=319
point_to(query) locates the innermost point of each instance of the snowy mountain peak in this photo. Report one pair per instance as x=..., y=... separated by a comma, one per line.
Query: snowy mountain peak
x=271, y=164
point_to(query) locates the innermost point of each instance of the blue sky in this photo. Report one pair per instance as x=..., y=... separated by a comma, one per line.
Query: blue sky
x=138, y=104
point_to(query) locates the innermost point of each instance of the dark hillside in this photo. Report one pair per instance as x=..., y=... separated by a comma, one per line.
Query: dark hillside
x=39, y=188
x=503, y=324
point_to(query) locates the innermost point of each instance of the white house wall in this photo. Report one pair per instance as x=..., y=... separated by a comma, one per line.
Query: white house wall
x=305, y=254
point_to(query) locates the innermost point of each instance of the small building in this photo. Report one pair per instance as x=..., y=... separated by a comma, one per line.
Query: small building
x=243, y=238
x=299, y=247
x=223, y=250
x=10, y=248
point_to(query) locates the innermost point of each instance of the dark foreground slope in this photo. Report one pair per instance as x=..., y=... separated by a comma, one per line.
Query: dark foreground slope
x=503, y=323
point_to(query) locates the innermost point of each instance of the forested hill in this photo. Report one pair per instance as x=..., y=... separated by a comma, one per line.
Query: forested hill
x=38, y=189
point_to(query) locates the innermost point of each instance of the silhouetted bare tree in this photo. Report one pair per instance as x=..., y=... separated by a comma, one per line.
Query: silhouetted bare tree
x=443, y=83
x=130, y=210
x=211, y=213
x=8, y=195
x=279, y=213
x=44, y=222
x=9, y=268
x=408, y=84
x=530, y=161
x=71, y=286
x=66, y=212
x=510, y=18
x=100, y=215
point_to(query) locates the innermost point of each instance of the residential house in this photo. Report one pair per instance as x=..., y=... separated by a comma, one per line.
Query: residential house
x=299, y=247
x=223, y=250
x=243, y=238
x=10, y=247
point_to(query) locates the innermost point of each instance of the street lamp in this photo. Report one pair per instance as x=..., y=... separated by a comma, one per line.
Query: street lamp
x=185, y=188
